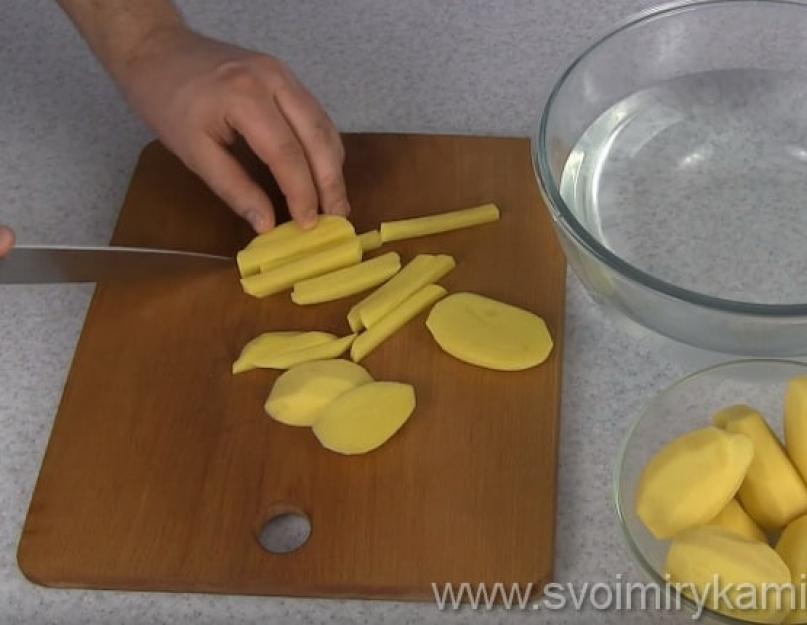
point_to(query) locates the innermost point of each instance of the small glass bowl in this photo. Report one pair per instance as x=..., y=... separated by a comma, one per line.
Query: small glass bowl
x=685, y=406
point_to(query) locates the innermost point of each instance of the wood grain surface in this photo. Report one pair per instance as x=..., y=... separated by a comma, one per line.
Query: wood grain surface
x=162, y=467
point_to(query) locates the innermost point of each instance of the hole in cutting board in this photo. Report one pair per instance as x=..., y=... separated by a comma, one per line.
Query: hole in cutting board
x=286, y=530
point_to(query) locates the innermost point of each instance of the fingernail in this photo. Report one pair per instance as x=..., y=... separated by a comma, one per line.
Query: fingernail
x=309, y=220
x=342, y=208
x=259, y=221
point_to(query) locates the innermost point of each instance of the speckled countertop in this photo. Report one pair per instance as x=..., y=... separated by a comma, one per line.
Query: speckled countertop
x=67, y=148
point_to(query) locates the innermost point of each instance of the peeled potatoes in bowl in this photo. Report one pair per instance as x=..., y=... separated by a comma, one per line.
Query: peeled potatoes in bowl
x=709, y=482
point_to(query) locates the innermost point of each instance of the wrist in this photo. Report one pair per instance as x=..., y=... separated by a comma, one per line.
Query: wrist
x=152, y=43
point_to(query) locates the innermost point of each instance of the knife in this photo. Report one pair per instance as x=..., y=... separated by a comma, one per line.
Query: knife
x=48, y=264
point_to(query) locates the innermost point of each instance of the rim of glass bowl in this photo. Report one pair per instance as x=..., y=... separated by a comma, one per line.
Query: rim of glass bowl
x=564, y=216
x=649, y=570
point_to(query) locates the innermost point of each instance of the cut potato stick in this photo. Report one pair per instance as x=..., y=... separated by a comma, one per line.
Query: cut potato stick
x=289, y=240
x=370, y=240
x=354, y=319
x=284, y=276
x=443, y=222
x=422, y=270
x=274, y=343
x=347, y=281
x=281, y=232
x=404, y=284
x=395, y=320
x=323, y=351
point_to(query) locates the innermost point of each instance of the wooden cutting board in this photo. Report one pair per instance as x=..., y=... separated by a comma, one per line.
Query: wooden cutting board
x=162, y=467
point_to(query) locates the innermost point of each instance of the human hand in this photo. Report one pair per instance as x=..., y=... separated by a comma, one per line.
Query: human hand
x=199, y=95
x=6, y=240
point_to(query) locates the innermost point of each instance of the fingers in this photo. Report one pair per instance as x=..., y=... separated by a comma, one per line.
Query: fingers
x=6, y=240
x=225, y=176
x=269, y=135
x=321, y=143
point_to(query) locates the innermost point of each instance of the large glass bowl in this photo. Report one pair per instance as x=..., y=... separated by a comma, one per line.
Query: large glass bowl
x=686, y=406
x=672, y=155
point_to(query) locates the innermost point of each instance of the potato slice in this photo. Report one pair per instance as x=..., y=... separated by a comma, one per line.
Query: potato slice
x=301, y=393
x=691, y=479
x=434, y=224
x=284, y=276
x=796, y=423
x=271, y=344
x=699, y=554
x=489, y=333
x=735, y=519
x=289, y=240
x=773, y=492
x=792, y=548
x=348, y=281
x=370, y=240
x=365, y=418
x=422, y=270
x=395, y=320
x=322, y=351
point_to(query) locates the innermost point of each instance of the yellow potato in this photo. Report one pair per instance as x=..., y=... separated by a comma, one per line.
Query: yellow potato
x=488, y=333
x=691, y=479
x=792, y=548
x=289, y=240
x=270, y=344
x=734, y=519
x=354, y=319
x=370, y=240
x=773, y=492
x=422, y=270
x=348, y=281
x=284, y=276
x=395, y=320
x=301, y=393
x=365, y=418
x=796, y=423
x=443, y=222
x=323, y=351
x=743, y=568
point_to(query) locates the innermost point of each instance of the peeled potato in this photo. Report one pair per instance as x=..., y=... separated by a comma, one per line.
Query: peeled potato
x=301, y=393
x=273, y=344
x=284, y=276
x=410, y=308
x=422, y=270
x=289, y=240
x=772, y=492
x=288, y=359
x=365, y=418
x=796, y=423
x=691, y=479
x=347, y=281
x=443, y=222
x=735, y=519
x=792, y=548
x=488, y=333
x=370, y=240
x=699, y=554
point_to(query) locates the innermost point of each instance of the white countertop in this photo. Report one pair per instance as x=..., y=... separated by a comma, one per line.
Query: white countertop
x=67, y=148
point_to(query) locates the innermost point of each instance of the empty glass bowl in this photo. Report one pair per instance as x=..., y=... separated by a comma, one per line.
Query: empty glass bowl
x=672, y=155
x=686, y=406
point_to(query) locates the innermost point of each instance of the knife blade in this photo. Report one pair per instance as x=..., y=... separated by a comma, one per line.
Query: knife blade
x=48, y=264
